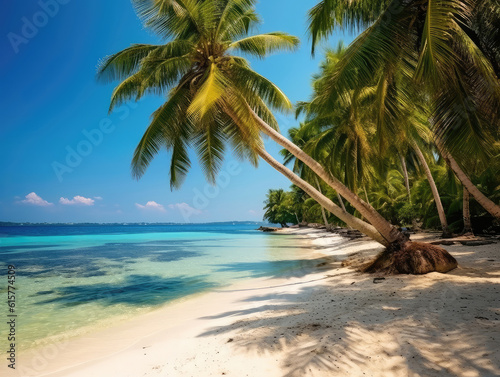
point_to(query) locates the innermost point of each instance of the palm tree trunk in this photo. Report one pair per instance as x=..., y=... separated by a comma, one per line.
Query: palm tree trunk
x=322, y=208
x=435, y=192
x=349, y=219
x=407, y=178
x=486, y=203
x=466, y=213
x=341, y=201
x=390, y=233
x=366, y=194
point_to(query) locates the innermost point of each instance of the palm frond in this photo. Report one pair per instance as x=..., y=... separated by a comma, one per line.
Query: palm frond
x=130, y=88
x=209, y=142
x=353, y=14
x=457, y=122
x=155, y=76
x=170, y=18
x=209, y=93
x=179, y=160
x=166, y=125
x=160, y=74
x=123, y=64
x=264, y=44
x=436, y=52
x=250, y=83
x=236, y=18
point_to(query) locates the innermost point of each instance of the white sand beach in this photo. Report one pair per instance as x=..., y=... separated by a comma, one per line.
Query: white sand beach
x=330, y=321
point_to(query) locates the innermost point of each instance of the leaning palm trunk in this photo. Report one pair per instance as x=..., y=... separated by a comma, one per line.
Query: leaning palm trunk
x=435, y=192
x=341, y=201
x=486, y=203
x=325, y=220
x=390, y=233
x=407, y=178
x=325, y=202
x=466, y=213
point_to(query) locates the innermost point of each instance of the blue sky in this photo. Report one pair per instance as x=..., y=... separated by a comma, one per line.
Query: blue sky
x=63, y=159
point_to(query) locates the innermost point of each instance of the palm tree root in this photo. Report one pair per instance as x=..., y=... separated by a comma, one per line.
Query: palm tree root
x=412, y=258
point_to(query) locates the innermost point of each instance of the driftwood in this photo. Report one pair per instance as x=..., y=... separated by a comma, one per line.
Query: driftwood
x=268, y=229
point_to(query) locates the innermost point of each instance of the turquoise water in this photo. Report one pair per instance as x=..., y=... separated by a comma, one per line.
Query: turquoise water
x=72, y=280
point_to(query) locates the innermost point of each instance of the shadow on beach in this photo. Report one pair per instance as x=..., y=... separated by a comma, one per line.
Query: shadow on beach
x=431, y=325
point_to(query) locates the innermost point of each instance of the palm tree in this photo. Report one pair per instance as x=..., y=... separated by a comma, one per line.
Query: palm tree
x=467, y=230
x=298, y=197
x=406, y=176
x=300, y=137
x=482, y=199
x=214, y=97
x=449, y=48
x=435, y=192
x=279, y=209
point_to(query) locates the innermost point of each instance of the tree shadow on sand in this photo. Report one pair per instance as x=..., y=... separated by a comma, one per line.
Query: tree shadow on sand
x=279, y=268
x=355, y=326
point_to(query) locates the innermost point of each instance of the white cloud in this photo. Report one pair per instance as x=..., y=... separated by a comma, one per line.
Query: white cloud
x=151, y=205
x=98, y=197
x=185, y=208
x=35, y=200
x=77, y=200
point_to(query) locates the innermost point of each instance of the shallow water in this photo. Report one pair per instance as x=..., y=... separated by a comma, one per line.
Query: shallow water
x=70, y=280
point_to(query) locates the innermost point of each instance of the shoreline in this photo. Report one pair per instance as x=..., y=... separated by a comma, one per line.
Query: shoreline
x=307, y=323
x=102, y=290
x=42, y=358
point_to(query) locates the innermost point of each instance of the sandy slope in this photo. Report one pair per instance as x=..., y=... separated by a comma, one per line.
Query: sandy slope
x=328, y=322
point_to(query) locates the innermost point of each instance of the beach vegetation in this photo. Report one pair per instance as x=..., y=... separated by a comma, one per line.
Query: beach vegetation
x=281, y=208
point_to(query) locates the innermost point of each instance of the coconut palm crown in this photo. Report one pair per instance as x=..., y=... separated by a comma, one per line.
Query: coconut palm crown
x=209, y=90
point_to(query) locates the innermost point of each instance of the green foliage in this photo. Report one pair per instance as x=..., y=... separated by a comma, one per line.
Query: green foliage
x=355, y=14
x=407, y=214
x=447, y=50
x=281, y=207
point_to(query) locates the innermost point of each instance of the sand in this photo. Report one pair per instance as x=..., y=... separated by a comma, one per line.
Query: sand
x=326, y=321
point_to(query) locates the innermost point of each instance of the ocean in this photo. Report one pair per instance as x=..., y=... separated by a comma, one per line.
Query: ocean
x=75, y=279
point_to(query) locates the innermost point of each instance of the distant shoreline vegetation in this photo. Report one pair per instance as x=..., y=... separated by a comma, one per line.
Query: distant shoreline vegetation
x=7, y=223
